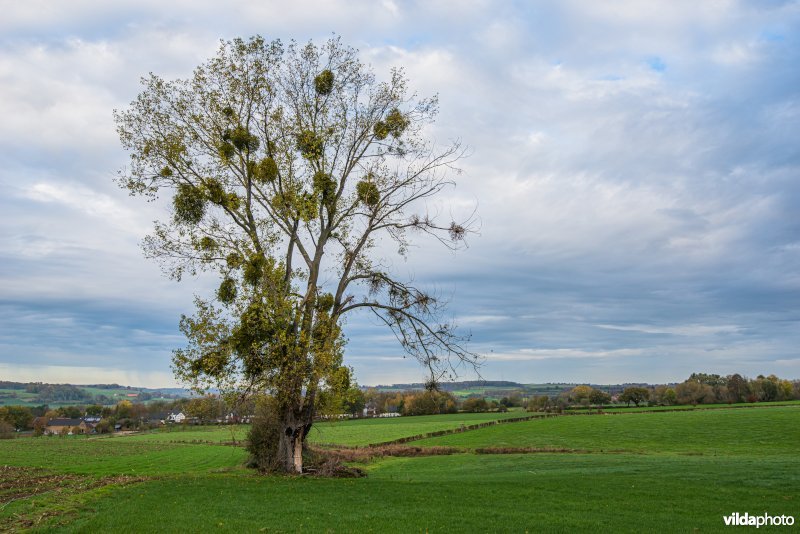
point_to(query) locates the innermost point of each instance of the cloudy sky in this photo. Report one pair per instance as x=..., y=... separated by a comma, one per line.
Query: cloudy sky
x=635, y=167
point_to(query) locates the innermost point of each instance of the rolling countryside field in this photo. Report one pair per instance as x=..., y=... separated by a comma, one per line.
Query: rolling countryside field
x=633, y=472
x=108, y=396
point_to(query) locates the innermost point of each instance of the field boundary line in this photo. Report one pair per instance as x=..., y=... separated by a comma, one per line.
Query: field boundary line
x=436, y=433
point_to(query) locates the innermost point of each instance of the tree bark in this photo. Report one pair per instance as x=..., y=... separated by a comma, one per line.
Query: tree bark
x=290, y=446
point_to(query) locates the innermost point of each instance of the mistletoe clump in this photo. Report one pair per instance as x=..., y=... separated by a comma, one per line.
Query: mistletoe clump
x=368, y=193
x=323, y=83
x=189, y=205
x=394, y=124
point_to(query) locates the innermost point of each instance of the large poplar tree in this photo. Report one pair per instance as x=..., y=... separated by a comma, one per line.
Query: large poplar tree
x=289, y=169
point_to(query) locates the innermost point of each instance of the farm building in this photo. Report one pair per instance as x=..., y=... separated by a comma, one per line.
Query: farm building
x=68, y=426
x=176, y=417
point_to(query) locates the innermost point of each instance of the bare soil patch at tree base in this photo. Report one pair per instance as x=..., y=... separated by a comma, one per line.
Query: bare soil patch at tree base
x=364, y=454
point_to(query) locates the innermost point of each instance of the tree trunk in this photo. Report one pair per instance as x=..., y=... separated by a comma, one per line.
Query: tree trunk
x=298, y=456
x=290, y=446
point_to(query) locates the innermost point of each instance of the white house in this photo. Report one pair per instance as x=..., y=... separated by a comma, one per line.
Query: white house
x=176, y=417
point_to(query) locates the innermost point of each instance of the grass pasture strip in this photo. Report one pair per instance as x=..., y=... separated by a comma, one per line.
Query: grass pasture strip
x=217, y=434
x=462, y=428
x=745, y=432
x=464, y=493
x=350, y=432
x=361, y=432
x=683, y=407
x=117, y=456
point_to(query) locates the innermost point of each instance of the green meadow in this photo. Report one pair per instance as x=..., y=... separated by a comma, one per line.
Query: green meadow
x=679, y=407
x=637, y=472
x=347, y=433
x=750, y=432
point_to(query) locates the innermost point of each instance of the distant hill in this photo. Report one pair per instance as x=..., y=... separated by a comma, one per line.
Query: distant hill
x=53, y=395
x=496, y=389
x=37, y=393
x=453, y=386
x=491, y=389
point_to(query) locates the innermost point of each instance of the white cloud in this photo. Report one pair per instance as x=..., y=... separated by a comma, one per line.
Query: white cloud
x=693, y=330
x=86, y=201
x=468, y=320
x=522, y=355
x=610, y=192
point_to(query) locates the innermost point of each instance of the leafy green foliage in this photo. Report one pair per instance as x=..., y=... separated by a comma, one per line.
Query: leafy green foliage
x=394, y=125
x=430, y=402
x=241, y=139
x=207, y=244
x=189, y=204
x=325, y=302
x=254, y=269
x=227, y=291
x=253, y=339
x=264, y=436
x=475, y=404
x=214, y=191
x=310, y=144
x=233, y=260
x=18, y=417
x=635, y=395
x=599, y=397
x=368, y=193
x=226, y=151
x=381, y=130
x=325, y=187
x=266, y=171
x=323, y=83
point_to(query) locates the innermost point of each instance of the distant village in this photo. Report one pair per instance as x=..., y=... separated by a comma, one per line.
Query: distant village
x=63, y=426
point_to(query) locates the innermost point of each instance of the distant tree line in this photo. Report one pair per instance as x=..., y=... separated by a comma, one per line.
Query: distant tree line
x=452, y=386
x=59, y=392
x=425, y=402
x=699, y=388
x=431, y=402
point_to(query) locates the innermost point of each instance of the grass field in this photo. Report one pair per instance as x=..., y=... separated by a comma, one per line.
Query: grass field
x=368, y=431
x=756, y=432
x=117, y=456
x=463, y=493
x=347, y=432
x=682, y=472
x=632, y=409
